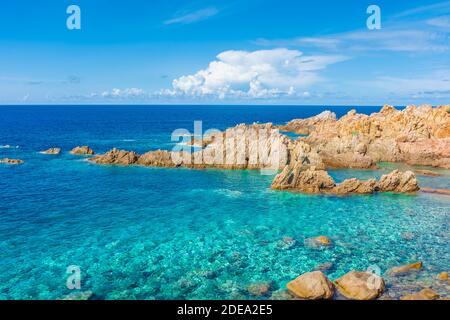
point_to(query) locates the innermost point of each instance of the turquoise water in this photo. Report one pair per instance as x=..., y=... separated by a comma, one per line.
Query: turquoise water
x=148, y=233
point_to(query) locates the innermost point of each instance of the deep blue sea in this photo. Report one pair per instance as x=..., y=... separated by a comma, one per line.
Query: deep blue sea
x=150, y=233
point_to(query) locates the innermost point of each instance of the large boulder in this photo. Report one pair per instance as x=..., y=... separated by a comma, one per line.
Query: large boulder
x=359, y=285
x=305, y=126
x=397, y=181
x=311, y=285
x=84, y=150
x=310, y=180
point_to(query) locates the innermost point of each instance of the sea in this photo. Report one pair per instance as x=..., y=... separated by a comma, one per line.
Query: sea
x=154, y=233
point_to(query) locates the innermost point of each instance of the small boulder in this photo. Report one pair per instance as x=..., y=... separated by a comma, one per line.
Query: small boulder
x=360, y=285
x=425, y=294
x=311, y=285
x=11, y=161
x=401, y=270
x=53, y=151
x=84, y=150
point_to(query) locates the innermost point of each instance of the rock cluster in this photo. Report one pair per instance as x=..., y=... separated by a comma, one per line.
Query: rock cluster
x=416, y=135
x=11, y=161
x=315, y=181
x=257, y=146
x=355, y=285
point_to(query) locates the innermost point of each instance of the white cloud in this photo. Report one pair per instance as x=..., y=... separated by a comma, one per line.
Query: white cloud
x=440, y=22
x=194, y=16
x=257, y=74
x=122, y=93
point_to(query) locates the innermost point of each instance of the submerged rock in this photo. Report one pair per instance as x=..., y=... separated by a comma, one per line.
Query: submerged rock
x=53, y=151
x=318, y=242
x=84, y=150
x=311, y=285
x=11, y=161
x=425, y=294
x=324, y=266
x=286, y=243
x=358, y=285
x=85, y=295
x=259, y=289
x=401, y=270
x=428, y=173
x=436, y=191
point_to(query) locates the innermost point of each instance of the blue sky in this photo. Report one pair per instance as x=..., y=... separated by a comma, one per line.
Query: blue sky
x=225, y=52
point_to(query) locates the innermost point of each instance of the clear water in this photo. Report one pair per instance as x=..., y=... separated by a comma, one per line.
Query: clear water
x=148, y=233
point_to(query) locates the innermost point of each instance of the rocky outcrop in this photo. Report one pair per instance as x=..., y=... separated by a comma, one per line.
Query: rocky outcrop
x=306, y=181
x=401, y=270
x=398, y=181
x=257, y=146
x=52, y=151
x=315, y=181
x=11, y=161
x=358, y=285
x=306, y=126
x=311, y=285
x=84, y=150
x=416, y=135
x=117, y=157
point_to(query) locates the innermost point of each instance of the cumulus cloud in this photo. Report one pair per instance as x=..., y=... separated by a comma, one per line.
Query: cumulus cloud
x=256, y=74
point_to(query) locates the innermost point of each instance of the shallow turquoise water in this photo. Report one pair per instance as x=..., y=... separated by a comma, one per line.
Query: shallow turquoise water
x=147, y=233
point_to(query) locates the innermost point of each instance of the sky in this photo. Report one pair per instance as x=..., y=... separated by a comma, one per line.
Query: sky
x=225, y=52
